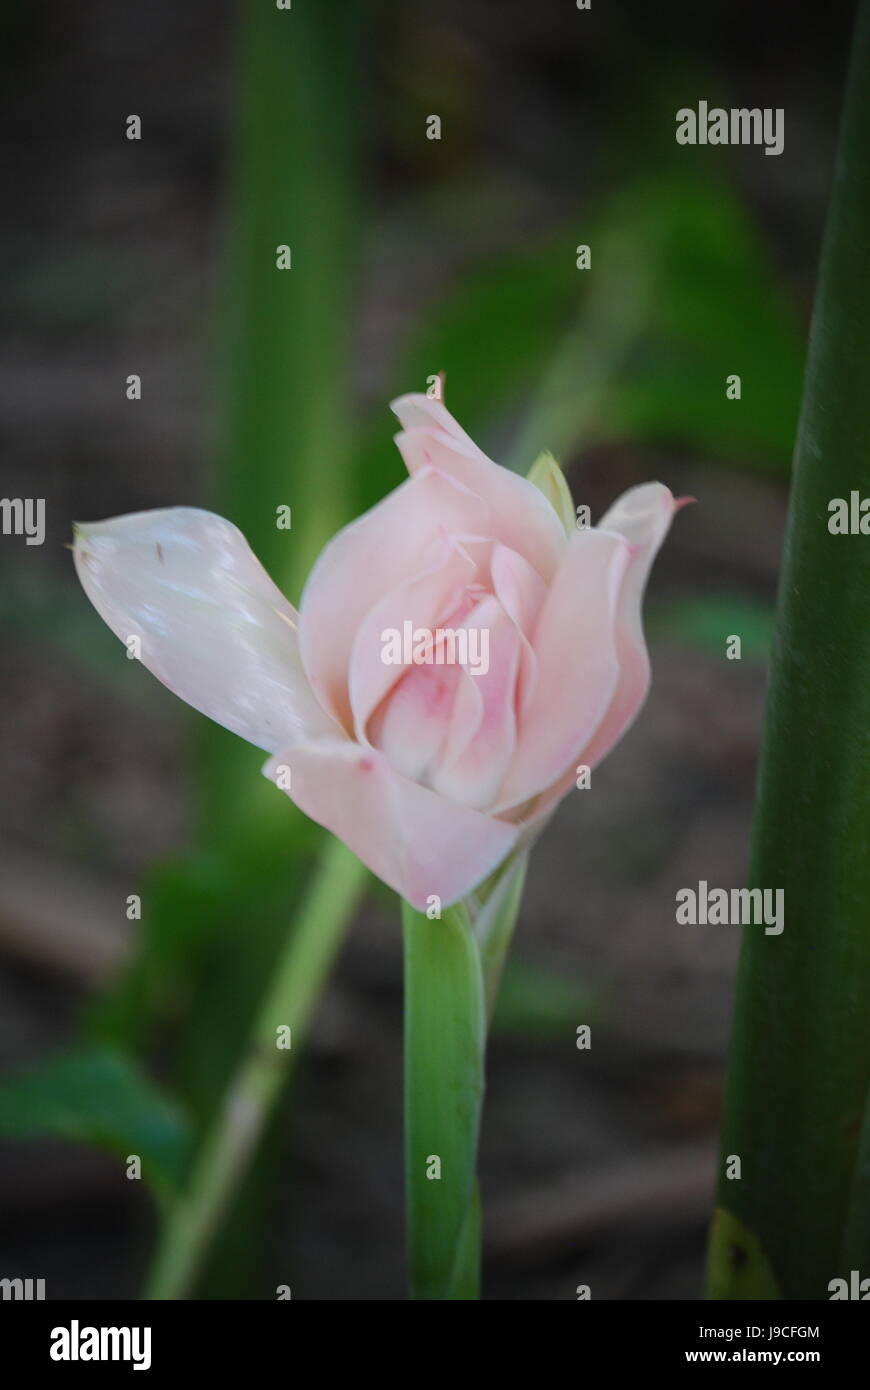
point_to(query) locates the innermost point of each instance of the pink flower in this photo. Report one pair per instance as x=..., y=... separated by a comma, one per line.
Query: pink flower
x=433, y=770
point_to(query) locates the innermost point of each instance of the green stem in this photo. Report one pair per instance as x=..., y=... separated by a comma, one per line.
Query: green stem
x=444, y=1049
x=465, y=1283
x=289, y=1002
x=453, y=968
x=800, y=1054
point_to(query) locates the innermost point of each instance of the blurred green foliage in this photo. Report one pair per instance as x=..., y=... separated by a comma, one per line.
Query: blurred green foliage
x=537, y=1003
x=798, y=1099
x=682, y=292
x=99, y=1096
x=707, y=623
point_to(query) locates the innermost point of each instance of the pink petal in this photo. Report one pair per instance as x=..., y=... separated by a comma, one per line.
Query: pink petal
x=578, y=667
x=472, y=771
x=643, y=516
x=518, y=587
x=365, y=561
x=520, y=590
x=418, y=411
x=418, y=843
x=420, y=601
x=212, y=625
x=412, y=725
x=520, y=515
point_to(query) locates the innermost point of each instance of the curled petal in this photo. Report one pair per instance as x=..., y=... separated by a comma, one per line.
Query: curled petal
x=368, y=559
x=471, y=770
x=578, y=667
x=210, y=623
x=412, y=725
x=417, y=411
x=418, y=843
x=419, y=601
x=520, y=590
x=520, y=515
x=643, y=516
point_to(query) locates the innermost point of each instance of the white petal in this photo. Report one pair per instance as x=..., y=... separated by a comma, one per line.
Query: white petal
x=210, y=623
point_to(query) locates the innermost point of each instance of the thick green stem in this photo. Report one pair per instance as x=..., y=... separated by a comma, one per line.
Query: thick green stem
x=800, y=1058
x=445, y=1034
x=249, y=1101
x=453, y=968
x=465, y=1284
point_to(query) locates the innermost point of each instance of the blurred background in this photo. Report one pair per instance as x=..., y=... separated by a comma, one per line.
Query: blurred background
x=260, y=388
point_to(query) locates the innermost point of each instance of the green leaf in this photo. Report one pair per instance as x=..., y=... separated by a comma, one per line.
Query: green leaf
x=800, y=1054
x=98, y=1096
x=286, y=428
x=294, y=181
x=214, y=925
x=465, y=1283
x=856, y=1234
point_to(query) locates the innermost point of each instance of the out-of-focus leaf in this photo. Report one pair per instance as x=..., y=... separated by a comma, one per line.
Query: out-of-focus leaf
x=211, y=922
x=36, y=606
x=799, y=1069
x=681, y=295
x=490, y=332
x=718, y=310
x=214, y=923
x=294, y=180
x=283, y=402
x=708, y=623
x=99, y=1096
x=537, y=1003
x=284, y=442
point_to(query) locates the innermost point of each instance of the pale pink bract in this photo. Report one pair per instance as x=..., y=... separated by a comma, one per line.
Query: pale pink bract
x=431, y=774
